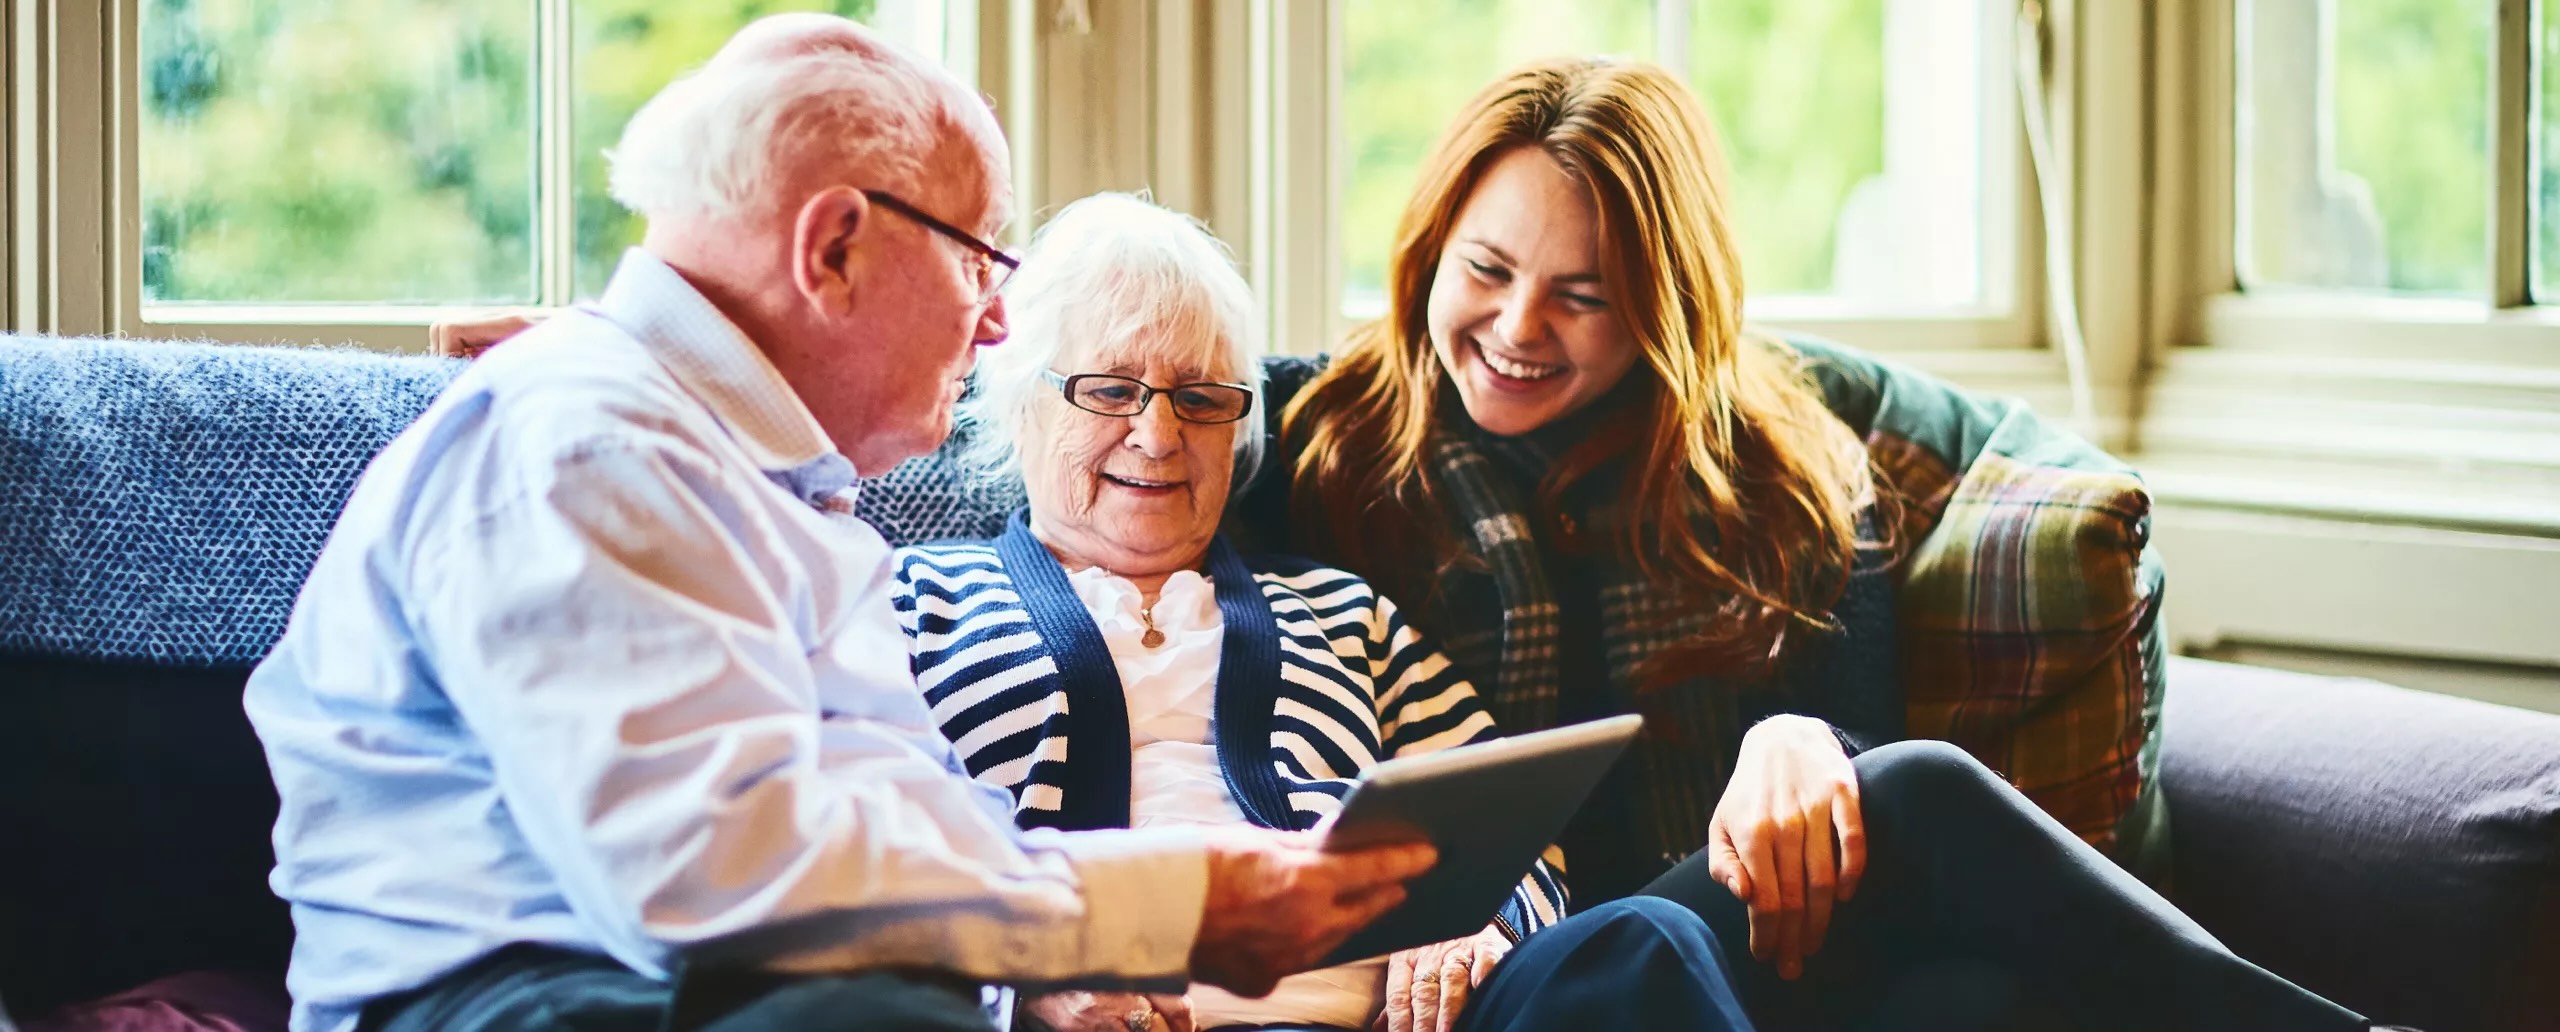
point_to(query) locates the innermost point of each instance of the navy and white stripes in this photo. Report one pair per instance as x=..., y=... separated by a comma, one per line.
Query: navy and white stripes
x=1354, y=685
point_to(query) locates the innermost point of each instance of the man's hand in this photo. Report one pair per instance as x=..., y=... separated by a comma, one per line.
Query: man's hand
x=1278, y=903
x=1110, y=1012
x=470, y=337
x=1787, y=837
x=1427, y=985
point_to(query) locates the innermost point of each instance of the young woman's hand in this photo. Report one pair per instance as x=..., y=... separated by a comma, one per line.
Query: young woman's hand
x=1787, y=837
x=1427, y=985
x=1110, y=1012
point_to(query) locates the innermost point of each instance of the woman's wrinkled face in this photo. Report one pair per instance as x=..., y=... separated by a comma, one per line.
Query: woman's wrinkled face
x=1519, y=313
x=1136, y=495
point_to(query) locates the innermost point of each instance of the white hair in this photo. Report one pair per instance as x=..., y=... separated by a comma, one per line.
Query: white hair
x=721, y=141
x=1112, y=274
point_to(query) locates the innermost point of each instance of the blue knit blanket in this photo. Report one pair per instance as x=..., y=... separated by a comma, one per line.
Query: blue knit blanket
x=163, y=502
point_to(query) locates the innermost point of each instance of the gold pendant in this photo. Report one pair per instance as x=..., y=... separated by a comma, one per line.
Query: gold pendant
x=1152, y=638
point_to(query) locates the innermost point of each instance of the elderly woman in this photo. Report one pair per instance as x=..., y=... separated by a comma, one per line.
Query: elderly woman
x=1112, y=661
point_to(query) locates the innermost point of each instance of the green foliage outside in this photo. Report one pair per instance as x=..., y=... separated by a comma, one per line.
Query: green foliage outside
x=1796, y=88
x=2546, y=169
x=307, y=150
x=1408, y=65
x=323, y=151
x=626, y=51
x=1793, y=87
x=2413, y=123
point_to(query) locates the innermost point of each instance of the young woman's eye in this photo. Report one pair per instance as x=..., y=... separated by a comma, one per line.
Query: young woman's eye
x=1586, y=302
x=1495, y=273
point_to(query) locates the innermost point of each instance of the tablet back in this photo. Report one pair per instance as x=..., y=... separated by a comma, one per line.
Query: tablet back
x=1490, y=808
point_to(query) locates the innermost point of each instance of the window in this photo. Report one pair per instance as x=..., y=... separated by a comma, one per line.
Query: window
x=309, y=161
x=1871, y=143
x=2394, y=169
x=2368, y=264
x=315, y=151
x=2364, y=153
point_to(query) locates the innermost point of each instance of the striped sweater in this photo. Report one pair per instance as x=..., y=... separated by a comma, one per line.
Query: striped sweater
x=1319, y=679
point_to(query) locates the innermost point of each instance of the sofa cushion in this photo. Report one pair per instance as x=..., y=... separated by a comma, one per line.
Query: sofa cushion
x=2394, y=850
x=137, y=805
x=172, y=497
x=169, y=498
x=2029, y=606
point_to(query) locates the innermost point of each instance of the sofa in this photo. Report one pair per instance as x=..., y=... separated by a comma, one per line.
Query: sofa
x=160, y=504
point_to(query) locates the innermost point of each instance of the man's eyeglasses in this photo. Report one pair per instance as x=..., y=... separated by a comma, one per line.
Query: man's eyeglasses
x=1105, y=394
x=994, y=265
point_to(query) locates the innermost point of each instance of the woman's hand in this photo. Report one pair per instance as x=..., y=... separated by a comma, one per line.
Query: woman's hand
x=1110, y=1012
x=1427, y=985
x=1787, y=837
x=470, y=337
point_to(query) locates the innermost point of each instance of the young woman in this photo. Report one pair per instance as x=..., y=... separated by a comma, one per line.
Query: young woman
x=1562, y=453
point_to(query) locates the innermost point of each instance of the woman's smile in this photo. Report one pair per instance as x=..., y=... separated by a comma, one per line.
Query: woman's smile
x=1145, y=487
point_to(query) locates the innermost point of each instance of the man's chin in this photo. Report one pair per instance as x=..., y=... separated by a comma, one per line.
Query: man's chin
x=879, y=452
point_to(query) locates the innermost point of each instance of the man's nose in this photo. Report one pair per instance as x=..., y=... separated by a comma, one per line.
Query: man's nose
x=992, y=328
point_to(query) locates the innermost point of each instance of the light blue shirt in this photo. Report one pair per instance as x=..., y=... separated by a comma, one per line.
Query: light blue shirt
x=597, y=658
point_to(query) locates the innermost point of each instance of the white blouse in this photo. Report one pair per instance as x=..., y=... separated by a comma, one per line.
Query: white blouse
x=1174, y=778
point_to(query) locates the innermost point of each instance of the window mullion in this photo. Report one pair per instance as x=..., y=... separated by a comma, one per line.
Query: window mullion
x=555, y=243
x=2510, y=154
x=1672, y=20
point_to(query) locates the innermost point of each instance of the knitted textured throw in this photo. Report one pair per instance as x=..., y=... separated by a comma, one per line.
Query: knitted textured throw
x=164, y=501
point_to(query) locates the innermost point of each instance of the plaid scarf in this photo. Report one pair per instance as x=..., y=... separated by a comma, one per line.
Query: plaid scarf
x=1501, y=617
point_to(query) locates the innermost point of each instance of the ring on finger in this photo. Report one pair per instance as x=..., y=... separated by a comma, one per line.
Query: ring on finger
x=1142, y=1021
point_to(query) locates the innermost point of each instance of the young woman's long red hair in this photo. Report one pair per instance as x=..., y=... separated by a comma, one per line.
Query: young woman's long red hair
x=1742, y=490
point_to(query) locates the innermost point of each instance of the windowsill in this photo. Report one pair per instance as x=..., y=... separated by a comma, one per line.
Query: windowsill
x=2415, y=438
x=2346, y=492
x=387, y=336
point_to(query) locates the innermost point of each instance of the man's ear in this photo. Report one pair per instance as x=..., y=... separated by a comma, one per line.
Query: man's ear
x=827, y=259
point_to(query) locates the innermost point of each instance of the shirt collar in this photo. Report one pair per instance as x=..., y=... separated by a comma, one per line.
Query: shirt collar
x=727, y=373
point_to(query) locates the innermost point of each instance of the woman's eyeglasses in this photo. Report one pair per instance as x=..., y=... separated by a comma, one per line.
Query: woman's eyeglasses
x=1105, y=394
x=994, y=265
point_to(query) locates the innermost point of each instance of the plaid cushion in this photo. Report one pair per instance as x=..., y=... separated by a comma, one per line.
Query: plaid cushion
x=2023, y=619
x=2029, y=606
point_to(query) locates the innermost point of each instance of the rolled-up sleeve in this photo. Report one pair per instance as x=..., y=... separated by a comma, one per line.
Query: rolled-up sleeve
x=689, y=730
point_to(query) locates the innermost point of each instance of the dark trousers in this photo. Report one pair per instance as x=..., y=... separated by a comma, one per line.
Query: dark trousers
x=526, y=988
x=1636, y=963
x=1980, y=911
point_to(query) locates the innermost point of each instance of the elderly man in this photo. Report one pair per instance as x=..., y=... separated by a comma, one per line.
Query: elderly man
x=594, y=712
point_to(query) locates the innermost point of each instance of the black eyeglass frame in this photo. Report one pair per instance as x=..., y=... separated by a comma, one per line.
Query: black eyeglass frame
x=990, y=252
x=1147, y=392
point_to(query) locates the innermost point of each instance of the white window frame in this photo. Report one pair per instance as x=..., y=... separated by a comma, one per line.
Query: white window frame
x=2422, y=411
x=77, y=65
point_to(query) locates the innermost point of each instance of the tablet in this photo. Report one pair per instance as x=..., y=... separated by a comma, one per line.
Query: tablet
x=1491, y=809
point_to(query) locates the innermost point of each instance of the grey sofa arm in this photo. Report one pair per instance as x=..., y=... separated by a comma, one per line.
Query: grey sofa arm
x=2394, y=850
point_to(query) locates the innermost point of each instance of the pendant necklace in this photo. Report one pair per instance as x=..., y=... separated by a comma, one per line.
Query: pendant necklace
x=1153, y=637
